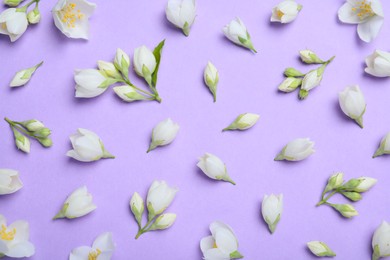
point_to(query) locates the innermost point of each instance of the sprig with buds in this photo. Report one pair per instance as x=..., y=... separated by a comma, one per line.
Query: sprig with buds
x=351, y=189
x=31, y=128
x=306, y=81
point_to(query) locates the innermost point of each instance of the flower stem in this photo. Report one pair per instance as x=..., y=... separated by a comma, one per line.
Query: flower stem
x=325, y=200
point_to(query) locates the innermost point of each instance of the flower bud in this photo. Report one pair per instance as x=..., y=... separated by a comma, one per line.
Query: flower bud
x=164, y=221
x=9, y=181
x=34, y=16
x=290, y=84
x=46, y=142
x=181, y=13
x=33, y=125
x=21, y=141
x=381, y=241
x=345, y=210
x=211, y=78
x=291, y=72
x=91, y=83
x=272, y=208
x=384, y=147
x=122, y=62
x=296, y=150
x=353, y=104
x=309, y=57
x=354, y=196
x=144, y=62
x=163, y=133
x=13, y=3
x=334, y=182
x=378, y=64
x=310, y=81
x=22, y=77
x=109, y=69
x=160, y=196
x=128, y=93
x=42, y=133
x=320, y=249
x=137, y=207
x=243, y=122
x=214, y=168
x=236, y=32
x=365, y=184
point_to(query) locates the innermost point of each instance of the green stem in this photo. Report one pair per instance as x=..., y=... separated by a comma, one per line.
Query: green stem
x=24, y=8
x=145, y=229
x=324, y=200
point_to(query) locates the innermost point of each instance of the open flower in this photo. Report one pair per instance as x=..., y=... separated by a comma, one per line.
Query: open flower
x=13, y=22
x=367, y=14
x=384, y=147
x=237, y=33
x=181, y=13
x=14, y=239
x=221, y=245
x=71, y=17
x=214, y=168
x=353, y=104
x=286, y=11
x=378, y=64
x=163, y=133
x=87, y=147
x=296, y=150
x=102, y=248
x=271, y=209
x=9, y=181
x=160, y=196
x=381, y=241
x=78, y=204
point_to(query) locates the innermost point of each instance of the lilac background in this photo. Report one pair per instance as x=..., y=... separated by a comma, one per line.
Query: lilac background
x=248, y=83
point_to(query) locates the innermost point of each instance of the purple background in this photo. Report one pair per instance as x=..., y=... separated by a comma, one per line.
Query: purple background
x=248, y=83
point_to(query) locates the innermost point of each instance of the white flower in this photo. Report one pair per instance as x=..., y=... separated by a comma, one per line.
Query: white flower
x=181, y=13
x=384, y=147
x=128, y=93
x=89, y=83
x=290, y=84
x=14, y=239
x=367, y=14
x=164, y=221
x=214, y=168
x=271, y=209
x=24, y=76
x=71, y=17
x=296, y=150
x=78, y=204
x=286, y=11
x=9, y=181
x=365, y=184
x=87, y=147
x=160, y=196
x=221, y=245
x=13, y=22
x=102, y=249
x=163, y=133
x=237, y=33
x=352, y=103
x=211, y=78
x=144, y=61
x=243, y=122
x=320, y=249
x=381, y=241
x=378, y=64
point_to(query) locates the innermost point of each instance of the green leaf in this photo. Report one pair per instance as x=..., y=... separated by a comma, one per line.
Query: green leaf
x=157, y=54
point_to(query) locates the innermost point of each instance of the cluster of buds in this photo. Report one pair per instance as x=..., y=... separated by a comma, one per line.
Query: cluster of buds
x=351, y=189
x=306, y=81
x=31, y=128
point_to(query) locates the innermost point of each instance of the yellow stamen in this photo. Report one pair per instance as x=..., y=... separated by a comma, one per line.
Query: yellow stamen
x=4, y=26
x=93, y=255
x=70, y=16
x=4, y=235
x=279, y=14
x=363, y=9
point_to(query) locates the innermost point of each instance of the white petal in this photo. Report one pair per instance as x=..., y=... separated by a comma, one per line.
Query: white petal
x=104, y=242
x=369, y=30
x=80, y=253
x=215, y=254
x=225, y=240
x=22, y=249
x=347, y=15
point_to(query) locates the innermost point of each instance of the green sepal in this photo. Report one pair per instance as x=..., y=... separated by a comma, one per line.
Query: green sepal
x=62, y=212
x=108, y=82
x=272, y=226
x=303, y=94
x=135, y=96
x=291, y=72
x=157, y=55
x=186, y=29
x=151, y=213
x=29, y=72
x=329, y=252
x=106, y=154
x=354, y=196
x=45, y=142
x=247, y=42
x=376, y=254
x=153, y=145
x=351, y=184
x=236, y=255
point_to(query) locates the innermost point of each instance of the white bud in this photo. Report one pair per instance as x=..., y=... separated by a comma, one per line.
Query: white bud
x=320, y=249
x=353, y=104
x=346, y=210
x=211, y=78
x=160, y=196
x=22, y=77
x=271, y=209
x=243, y=122
x=237, y=33
x=384, y=147
x=128, y=93
x=33, y=125
x=90, y=83
x=164, y=221
x=181, y=13
x=381, y=241
x=290, y=84
x=34, y=16
x=144, y=61
x=109, y=69
x=378, y=64
x=365, y=184
x=214, y=168
x=296, y=150
x=285, y=12
x=309, y=57
x=163, y=133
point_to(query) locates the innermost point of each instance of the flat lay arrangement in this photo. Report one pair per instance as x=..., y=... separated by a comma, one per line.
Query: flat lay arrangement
x=224, y=163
